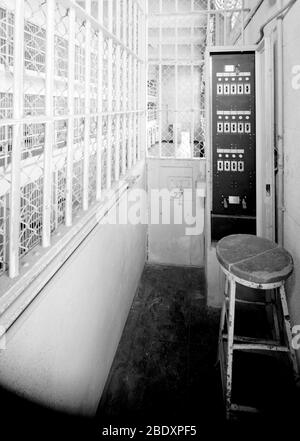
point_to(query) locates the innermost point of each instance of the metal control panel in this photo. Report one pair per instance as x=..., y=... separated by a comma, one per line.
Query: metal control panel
x=233, y=143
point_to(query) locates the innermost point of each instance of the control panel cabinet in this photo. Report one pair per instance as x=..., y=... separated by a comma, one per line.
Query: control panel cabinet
x=233, y=143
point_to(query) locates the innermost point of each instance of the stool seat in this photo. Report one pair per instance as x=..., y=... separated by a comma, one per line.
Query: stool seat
x=254, y=259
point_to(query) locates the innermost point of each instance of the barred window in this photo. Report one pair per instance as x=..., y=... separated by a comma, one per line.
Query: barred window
x=71, y=118
x=35, y=50
x=6, y=37
x=31, y=215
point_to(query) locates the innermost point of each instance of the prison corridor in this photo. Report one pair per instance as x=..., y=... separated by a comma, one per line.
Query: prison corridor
x=166, y=370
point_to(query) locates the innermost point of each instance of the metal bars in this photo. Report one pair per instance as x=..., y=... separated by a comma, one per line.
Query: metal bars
x=71, y=113
x=14, y=220
x=178, y=33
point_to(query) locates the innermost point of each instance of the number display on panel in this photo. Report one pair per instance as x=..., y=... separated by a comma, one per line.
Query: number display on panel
x=234, y=89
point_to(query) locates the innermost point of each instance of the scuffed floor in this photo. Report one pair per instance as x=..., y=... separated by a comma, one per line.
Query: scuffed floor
x=164, y=370
x=165, y=373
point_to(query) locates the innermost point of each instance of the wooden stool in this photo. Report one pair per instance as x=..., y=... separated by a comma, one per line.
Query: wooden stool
x=257, y=263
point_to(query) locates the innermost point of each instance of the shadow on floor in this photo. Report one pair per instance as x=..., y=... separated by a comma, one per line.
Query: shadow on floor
x=165, y=371
x=22, y=419
x=165, y=374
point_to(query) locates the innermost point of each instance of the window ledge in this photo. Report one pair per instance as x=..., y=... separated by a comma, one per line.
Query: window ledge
x=40, y=264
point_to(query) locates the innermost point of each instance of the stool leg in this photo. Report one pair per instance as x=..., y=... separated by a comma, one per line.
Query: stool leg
x=232, y=293
x=274, y=303
x=288, y=329
x=223, y=311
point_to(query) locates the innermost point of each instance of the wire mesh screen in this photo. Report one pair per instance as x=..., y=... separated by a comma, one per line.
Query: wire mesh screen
x=31, y=212
x=75, y=100
x=77, y=185
x=178, y=35
x=58, y=196
x=3, y=232
x=6, y=129
x=6, y=40
x=177, y=44
x=93, y=117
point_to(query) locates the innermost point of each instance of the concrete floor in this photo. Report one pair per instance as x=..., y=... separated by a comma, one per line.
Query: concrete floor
x=165, y=373
x=164, y=370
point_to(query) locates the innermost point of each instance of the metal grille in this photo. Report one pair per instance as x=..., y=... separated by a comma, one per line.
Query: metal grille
x=127, y=142
x=61, y=53
x=79, y=50
x=79, y=122
x=6, y=105
x=3, y=232
x=6, y=133
x=121, y=147
x=33, y=142
x=6, y=37
x=121, y=72
x=58, y=198
x=178, y=35
x=77, y=185
x=114, y=79
x=105, y=76
x=6, y=129
x=61, y=40
x=78, y=132
x=94, y=119
x=38, y=114
x=104, y=152
x=201, y=4
x=61, y=26
x=32, y=190
x=93, y=159
x=137, y=120
x=60, y=133
x=92, y=190
x=34, y=104
x=94, y=74
x=113, y=148
x=35, y=35
x=31, y=211
x=92, y=177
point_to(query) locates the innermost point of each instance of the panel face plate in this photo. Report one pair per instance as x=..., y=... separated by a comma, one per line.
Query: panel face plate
x=233, y=140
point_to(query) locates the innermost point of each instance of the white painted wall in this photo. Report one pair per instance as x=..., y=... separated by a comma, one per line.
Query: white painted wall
x=169, y=244
x=291, y=35
x=292, y=154
x=60, y=350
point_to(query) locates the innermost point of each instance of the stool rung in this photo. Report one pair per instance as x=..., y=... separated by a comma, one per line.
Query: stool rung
x=250, y=302
x=241, y=408
x=253, y=340
x=259, y=347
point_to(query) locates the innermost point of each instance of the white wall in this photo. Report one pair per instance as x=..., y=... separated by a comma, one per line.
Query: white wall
x=291, y=142
x=291, y=136
x=60, y=350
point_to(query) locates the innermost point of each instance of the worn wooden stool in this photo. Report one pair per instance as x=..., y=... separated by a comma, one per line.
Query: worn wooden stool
x=256, y=263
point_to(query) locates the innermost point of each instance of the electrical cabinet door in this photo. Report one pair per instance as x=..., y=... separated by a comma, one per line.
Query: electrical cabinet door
x=233, y=143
